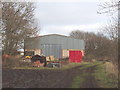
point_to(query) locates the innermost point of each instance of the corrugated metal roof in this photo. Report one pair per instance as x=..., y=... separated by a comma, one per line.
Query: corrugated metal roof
x=65, y=41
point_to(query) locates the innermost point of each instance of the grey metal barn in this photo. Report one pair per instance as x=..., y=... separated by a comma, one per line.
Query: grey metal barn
x=53, y=45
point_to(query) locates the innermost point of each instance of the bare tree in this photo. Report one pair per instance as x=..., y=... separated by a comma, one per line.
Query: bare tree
x=109, y=7
x=111, y=30
x=96, y=45
x=17, y=24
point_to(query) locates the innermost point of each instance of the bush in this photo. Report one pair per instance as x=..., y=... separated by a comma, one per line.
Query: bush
x=13, y=61
x=8, y=62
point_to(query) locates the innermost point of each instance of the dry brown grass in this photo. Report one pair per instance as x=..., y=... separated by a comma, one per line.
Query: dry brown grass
x=111, y=68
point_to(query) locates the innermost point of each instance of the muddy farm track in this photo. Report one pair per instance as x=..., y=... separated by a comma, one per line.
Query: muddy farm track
x=46, y=78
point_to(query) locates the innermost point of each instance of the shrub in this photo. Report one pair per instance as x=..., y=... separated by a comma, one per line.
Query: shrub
x=13, y=61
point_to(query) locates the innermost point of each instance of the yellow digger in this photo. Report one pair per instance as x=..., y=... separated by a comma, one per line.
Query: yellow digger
x=28, y=57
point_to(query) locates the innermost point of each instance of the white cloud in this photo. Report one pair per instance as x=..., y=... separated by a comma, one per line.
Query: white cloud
x=50, y=1
x=68, y=13
x=66, y=29
x=62, y=18
x=71, y=0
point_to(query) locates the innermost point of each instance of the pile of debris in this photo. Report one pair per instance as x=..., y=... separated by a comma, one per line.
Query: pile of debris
x=42, y=61
x=38, y=61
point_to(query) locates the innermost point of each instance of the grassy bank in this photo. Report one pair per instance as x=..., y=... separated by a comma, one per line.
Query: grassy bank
x=104, y=79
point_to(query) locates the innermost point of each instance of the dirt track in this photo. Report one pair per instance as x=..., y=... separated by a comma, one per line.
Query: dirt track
x=46, y=78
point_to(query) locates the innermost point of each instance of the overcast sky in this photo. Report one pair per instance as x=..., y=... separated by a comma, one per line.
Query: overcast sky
x=64, y=17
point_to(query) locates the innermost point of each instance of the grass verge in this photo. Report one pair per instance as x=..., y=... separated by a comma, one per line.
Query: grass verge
x=32, y=68
x=64, y=67
x=103, y=78
x=87, y=65
x=70, y=65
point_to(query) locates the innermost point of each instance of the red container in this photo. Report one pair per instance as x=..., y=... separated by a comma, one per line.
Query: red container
x=75, y=56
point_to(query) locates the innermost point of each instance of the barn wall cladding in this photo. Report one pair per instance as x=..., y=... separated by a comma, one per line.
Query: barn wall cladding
x=53, y=44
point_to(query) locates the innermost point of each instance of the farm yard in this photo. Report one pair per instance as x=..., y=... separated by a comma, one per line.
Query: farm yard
x=61, y=45
x=82, y=75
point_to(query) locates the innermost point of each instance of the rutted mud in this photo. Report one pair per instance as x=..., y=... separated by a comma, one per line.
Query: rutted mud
x=45, y=78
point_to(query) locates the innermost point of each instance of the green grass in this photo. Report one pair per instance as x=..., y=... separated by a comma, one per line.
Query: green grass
x=78, y=80
x=103, y=77
x=64, y=67
x=32, y=68
x=70, y=65
x=88, y=64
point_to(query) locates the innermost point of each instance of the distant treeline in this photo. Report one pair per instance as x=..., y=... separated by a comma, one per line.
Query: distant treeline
x=98, y=46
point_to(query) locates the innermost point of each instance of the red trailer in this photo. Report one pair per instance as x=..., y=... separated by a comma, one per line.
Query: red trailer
x=75, y=56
